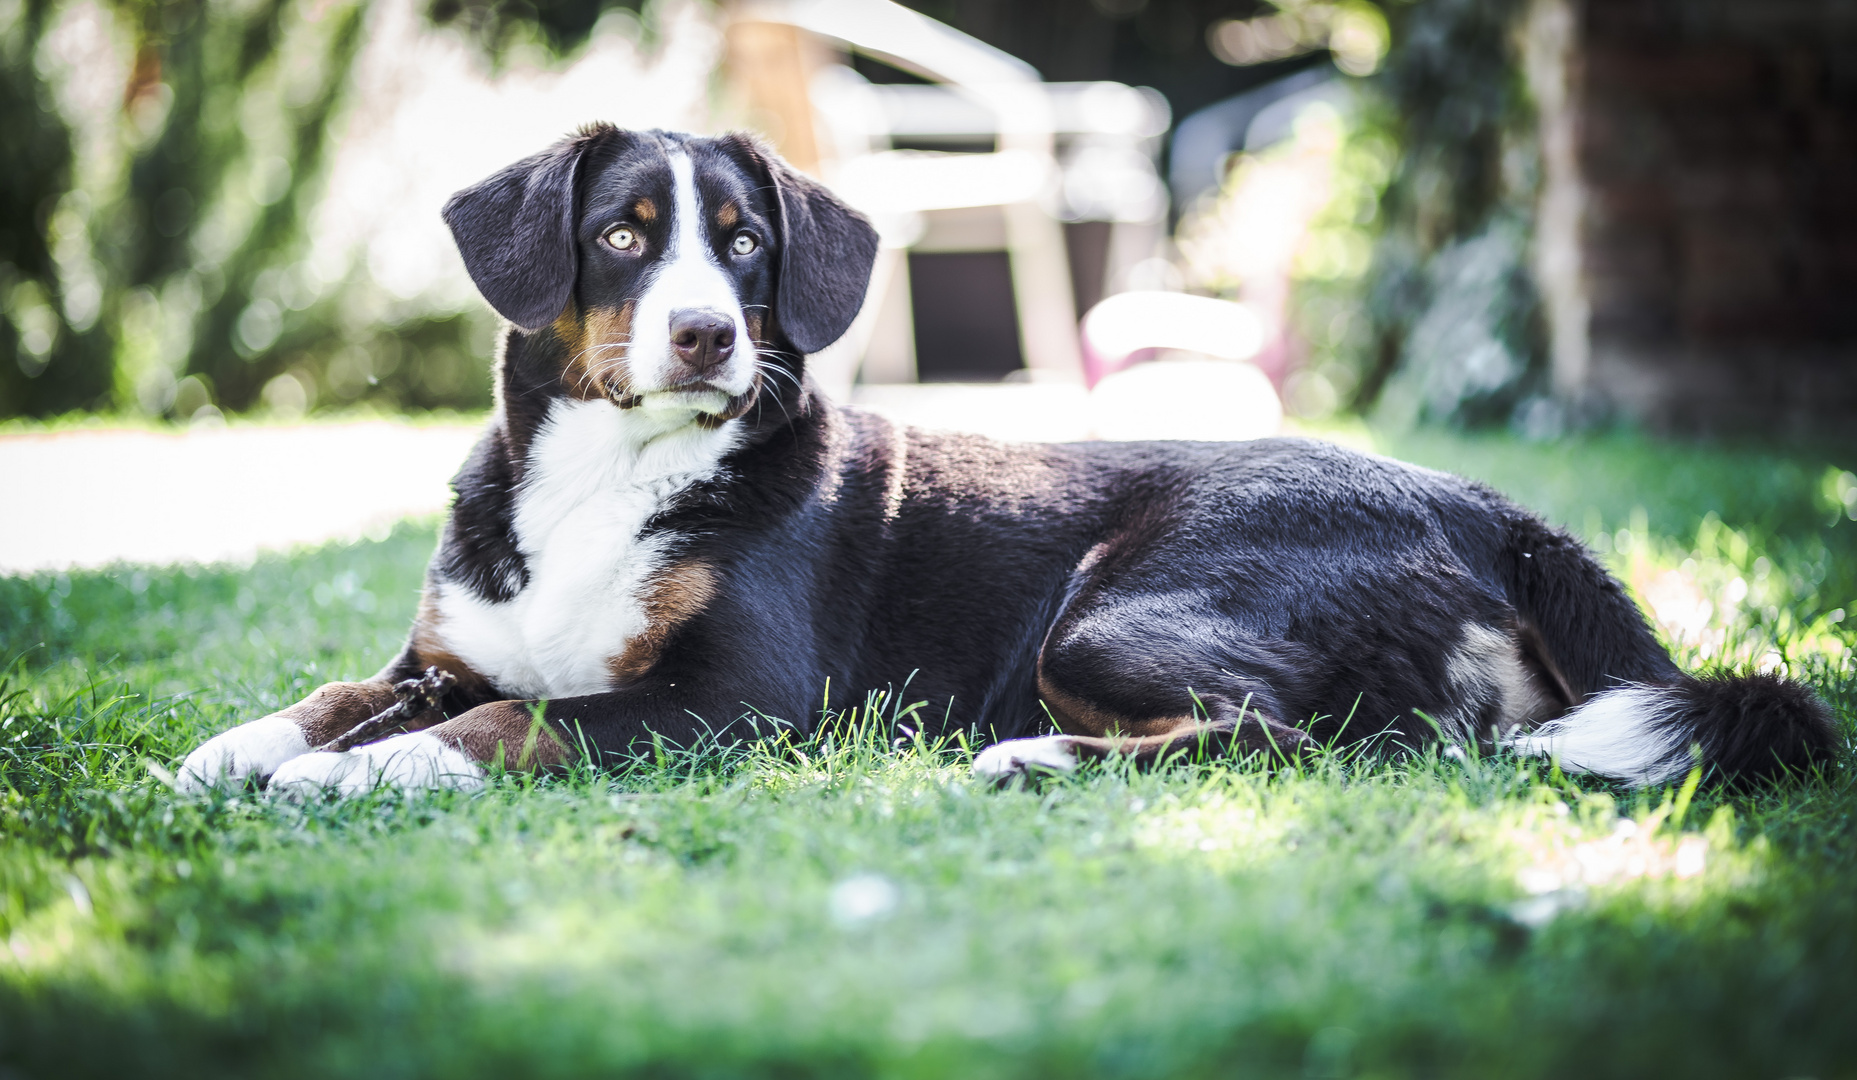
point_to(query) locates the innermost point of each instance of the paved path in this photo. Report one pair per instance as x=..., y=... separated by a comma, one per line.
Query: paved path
x=89, y=498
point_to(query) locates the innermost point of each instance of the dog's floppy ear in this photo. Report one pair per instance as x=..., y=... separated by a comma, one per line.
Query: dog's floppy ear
x=516, y=231
x=826, y=253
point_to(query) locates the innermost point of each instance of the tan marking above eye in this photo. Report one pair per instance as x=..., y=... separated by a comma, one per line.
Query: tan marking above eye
x=728, y=215
x=622, y=238
x=744, y=244
x=645, y=210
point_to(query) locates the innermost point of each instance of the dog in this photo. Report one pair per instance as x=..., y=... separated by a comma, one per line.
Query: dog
x=667, y=533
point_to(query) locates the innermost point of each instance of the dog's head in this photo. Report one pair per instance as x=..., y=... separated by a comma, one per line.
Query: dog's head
x=673, y=270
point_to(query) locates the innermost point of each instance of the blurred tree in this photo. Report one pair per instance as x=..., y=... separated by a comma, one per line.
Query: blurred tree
x=135, y=253
x=46, y=363
x=559, y=25
x=1455, y=327
x=153, y=234
x=230, y=344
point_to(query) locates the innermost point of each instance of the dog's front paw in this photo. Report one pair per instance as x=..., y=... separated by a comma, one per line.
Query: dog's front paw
x=249, y=750
x=1006, y=761
x=415, y=762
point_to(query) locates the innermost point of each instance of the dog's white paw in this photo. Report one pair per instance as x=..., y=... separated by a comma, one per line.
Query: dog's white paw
x=1015, y=757
x=230, y=757
x=415, y=762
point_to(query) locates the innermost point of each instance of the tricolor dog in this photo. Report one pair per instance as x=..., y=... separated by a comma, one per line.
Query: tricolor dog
x=666, y=529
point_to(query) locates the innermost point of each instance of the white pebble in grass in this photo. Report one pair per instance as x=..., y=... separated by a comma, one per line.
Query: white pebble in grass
x=862, y=898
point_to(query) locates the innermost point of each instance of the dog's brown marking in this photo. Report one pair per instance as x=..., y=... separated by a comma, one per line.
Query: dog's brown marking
x=645, y=211
x=1255, y=735
x=728, y=214
x=1536, y=654
x=1091, y=731
x=429, y=650
x=596, y=342
x=334, y=708
x=509, y=728
x=678, y=595
x=1076, y=716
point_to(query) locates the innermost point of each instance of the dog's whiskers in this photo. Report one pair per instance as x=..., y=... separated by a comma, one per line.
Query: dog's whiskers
x=626, y=344
x=760, y=399
x=768, y=349
x=594, y=381
x=771, y=370
x=776, y=369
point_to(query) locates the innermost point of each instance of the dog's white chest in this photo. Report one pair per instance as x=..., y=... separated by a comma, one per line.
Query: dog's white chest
x=595, y=477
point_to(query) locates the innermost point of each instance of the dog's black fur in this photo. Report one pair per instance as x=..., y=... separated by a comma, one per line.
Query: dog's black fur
x=1275, y=594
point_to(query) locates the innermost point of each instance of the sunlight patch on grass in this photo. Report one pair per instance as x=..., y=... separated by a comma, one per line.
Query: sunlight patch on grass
x=1720, y=599
x=1560, y=858
x=1227, y=829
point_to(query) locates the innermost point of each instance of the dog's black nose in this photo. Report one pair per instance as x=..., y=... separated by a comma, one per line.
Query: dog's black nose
x=702, y=338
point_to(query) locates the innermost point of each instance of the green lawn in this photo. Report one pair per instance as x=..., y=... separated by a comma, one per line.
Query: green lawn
x=838, y=910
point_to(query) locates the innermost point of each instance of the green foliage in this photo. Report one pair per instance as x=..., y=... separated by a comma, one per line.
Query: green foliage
x=46, y=364
x=176, y=195
x=299, y=67
x=829, y=906
x=498, y=26
x=1454, y=331
x=169, y=155
x=1326, y=302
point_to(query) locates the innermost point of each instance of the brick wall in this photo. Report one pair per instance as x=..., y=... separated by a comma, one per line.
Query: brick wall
x=1717, y=150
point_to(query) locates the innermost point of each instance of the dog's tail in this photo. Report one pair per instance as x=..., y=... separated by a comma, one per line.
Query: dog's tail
x=1636, y=716
x=1741, y=726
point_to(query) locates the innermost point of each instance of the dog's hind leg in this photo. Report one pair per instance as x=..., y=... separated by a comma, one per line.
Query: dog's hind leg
x=1118, y=683
x=1237, y=732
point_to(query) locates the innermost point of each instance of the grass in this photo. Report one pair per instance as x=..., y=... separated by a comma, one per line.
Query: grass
x=840, y=909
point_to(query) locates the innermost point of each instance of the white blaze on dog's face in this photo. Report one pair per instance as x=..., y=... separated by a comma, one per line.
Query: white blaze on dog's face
x=674, y=280
x=690, y=339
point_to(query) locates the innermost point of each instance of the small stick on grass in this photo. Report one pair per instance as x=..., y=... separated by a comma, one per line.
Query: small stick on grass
x=416, y=697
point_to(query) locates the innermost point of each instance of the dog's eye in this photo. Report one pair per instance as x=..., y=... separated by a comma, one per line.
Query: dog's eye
x=744, y=244
x=622, y=238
